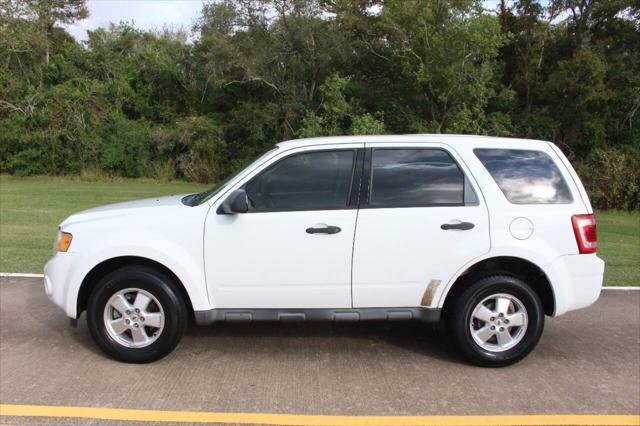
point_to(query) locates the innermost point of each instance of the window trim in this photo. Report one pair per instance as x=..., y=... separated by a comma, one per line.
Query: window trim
x=368, y=180
x=353, y=185
x=564, y=178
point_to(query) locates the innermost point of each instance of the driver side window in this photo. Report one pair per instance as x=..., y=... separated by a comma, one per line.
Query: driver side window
x=318, y=180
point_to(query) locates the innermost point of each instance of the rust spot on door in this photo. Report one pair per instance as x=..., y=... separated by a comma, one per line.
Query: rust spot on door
x=427, y=297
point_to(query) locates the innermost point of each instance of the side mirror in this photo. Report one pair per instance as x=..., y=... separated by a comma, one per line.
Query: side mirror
x=235, y=203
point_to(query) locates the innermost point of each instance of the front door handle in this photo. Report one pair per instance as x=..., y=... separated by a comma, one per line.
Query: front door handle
x=324, y=230
x=462, y=226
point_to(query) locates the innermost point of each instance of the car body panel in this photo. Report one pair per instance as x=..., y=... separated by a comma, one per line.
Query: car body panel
x=168, y=233
x=399, y=251
x=268, y=260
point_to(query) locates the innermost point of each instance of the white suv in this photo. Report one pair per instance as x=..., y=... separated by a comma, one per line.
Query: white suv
x=489, y=234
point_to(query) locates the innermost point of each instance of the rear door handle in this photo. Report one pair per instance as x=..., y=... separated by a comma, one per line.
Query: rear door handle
x=462, y=226
x=324, y=230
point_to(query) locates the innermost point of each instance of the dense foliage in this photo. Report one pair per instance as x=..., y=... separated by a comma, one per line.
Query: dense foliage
x=198, y=104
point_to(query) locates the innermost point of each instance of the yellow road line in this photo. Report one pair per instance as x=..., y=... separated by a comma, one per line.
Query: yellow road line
x=121, y=414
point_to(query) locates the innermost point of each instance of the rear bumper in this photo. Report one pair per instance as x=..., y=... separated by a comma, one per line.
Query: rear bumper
x=576, y=281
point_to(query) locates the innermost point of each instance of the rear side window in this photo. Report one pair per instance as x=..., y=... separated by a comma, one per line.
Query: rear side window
x=415, y=178
x=317, y=180
x=526, y=177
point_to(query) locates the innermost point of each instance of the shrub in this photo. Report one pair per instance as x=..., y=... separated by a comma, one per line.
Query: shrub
x=612, y=178
x=123, y=149
x=200, y=147
x=162, y=171
x=367, y=124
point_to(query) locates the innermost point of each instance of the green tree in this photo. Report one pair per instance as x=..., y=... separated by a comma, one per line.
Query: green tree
x=447, y=53
x=337, y=115
x=130, y=102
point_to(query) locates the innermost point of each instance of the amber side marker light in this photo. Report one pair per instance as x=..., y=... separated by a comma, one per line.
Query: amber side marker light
x=64, y=241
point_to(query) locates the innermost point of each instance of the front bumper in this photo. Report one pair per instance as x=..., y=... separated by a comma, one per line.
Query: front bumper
x=576, y=280
x=56, y=281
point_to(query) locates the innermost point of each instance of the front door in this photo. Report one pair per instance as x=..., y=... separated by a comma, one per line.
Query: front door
x=419, y=221
x=293, y=248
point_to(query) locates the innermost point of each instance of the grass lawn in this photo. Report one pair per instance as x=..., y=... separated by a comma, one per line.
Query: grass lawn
x=619, y=246
x=31, y=209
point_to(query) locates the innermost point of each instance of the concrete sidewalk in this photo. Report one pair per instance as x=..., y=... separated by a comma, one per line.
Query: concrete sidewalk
x=588, y=362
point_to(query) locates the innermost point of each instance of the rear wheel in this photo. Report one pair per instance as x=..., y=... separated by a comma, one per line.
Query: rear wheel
x=136, y=315
x=496, y=321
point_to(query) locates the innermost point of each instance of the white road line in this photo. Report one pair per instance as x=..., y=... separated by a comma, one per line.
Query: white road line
x=20, y=275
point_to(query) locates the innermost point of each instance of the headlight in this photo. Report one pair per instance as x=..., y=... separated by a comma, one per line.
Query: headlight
x=63, y=241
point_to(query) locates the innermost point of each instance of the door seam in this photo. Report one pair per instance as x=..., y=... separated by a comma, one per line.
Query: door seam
x=355, y=227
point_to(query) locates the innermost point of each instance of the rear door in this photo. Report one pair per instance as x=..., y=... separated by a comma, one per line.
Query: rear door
x=420, y=220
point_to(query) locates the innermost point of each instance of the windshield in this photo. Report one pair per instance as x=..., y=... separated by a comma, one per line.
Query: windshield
x=201, y=197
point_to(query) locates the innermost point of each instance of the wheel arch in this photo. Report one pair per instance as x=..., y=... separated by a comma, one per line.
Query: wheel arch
x=521, y=268
x=109, y=265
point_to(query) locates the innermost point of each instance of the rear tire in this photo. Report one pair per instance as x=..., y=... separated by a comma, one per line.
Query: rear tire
x=136, y=315
x=496, y=321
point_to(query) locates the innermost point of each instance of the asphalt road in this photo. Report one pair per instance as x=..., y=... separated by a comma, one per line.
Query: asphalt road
x=588, y=362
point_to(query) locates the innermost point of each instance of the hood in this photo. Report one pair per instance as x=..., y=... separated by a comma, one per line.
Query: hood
x=126, y=208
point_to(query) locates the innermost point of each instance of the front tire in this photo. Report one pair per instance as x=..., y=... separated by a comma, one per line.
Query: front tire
x=496, y=321
x=136, y=315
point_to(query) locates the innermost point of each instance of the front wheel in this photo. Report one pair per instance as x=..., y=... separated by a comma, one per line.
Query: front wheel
x=135, y=314
x=496, y=321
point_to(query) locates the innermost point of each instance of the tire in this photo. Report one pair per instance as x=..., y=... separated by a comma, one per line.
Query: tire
x=159, y=325
x=469, y=324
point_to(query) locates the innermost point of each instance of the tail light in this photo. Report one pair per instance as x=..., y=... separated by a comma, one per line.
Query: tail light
x=584, y=226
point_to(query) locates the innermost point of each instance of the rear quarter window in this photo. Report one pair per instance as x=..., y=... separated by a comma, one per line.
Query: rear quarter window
x=526, y=176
